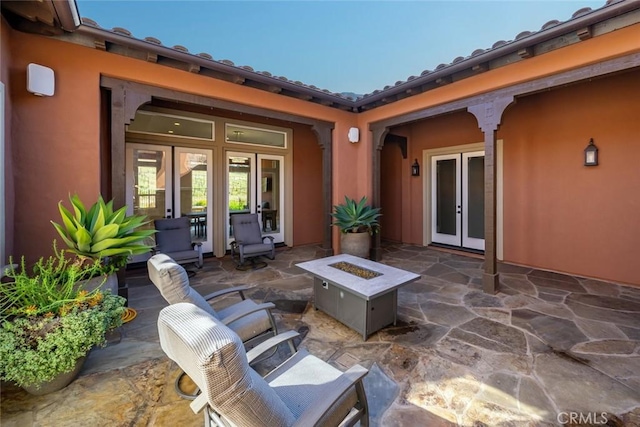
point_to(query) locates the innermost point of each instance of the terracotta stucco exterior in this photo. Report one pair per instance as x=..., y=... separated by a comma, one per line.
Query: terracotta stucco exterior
x=557, y=213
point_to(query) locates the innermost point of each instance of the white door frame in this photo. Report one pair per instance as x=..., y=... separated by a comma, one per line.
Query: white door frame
x=426, y=185
x=447, y=239
x=468, y=241
x=207, y=245
x=279, y=236
x=252, y=190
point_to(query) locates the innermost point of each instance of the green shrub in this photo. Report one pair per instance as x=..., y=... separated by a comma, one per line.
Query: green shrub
x=37, y=348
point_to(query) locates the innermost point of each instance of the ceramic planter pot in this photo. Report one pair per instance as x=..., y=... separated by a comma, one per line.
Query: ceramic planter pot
x=57, y=383
x=111, y=283
x=356, y=244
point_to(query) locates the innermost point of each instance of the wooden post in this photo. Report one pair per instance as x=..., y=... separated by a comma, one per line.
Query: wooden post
x=378, y=141
x=489, y=115
x=323, y=133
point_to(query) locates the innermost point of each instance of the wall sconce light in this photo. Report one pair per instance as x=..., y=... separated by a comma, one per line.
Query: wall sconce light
x=415, y=168
x=354, y=135
x=591, y=154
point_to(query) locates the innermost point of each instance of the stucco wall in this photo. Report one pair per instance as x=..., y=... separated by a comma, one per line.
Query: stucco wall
x=560, y=214
x=57, y=138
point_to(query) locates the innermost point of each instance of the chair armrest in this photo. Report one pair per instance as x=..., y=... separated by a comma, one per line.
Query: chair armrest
x=236, y=316
x=267, y=345
x=199, y=403
x=198, y=244
x=219, y=293
x=268, y=237
x=339, y=387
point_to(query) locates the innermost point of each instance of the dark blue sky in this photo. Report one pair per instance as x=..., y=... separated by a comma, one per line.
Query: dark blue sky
x=343, y=46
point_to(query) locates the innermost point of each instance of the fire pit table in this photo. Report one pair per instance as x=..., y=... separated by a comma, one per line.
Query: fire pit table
x=360, y=293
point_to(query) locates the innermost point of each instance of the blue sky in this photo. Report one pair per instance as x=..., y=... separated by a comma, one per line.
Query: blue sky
x=342, y=46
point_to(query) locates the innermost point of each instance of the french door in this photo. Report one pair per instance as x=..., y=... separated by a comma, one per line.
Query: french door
x=171, y=182
x=457, y=199
x=255, y=184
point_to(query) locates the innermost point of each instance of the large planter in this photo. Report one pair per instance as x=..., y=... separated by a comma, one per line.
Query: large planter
x=356, y=244
x=58, y=383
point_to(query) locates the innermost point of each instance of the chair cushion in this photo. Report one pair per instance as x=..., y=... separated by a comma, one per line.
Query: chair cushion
x=214, y=358
x=246, y=229
x=304, y=379
x=260, y=248
x=173, y=283
x=174, y=234
x=183, y=257
x=249, y=326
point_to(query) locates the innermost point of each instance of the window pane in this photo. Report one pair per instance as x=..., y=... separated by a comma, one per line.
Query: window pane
x=168, y=125
x=248, y=135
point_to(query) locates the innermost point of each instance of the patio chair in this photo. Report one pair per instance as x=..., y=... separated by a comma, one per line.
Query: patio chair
x=252, y=322
x=174, y=239
x=249, y=242
x=302, y=391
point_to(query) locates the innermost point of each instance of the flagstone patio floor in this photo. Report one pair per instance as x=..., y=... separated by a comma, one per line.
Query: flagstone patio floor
x=547, y=349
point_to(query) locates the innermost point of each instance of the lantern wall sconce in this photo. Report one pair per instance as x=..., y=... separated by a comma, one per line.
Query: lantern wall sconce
x=415, y=168
x=591, y=154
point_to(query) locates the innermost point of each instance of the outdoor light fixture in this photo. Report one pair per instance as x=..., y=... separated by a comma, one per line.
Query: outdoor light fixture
x=591, y=154
x=415, y=168
x=353, y=135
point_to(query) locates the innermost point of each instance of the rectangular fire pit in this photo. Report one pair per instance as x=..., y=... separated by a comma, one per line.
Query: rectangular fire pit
x=360, y=293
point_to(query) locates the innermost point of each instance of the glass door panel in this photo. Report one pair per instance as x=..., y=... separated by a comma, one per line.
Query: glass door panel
x=473, y=200
x=192, y=178
x=241, y=191
x=270, y=203
x=148, y=189
x=446, y=203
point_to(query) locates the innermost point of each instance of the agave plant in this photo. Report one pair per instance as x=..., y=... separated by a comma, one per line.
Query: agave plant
x=356, y=217
x=101, y=233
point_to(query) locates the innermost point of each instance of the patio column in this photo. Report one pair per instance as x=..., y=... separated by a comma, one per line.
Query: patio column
x=489, y=116
x=124, y=104
x=379, y=134
x=324, y=134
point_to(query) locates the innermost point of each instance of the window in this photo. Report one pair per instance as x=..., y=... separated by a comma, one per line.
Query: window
x=237, y=134
x=149, y=122
x=146, y=187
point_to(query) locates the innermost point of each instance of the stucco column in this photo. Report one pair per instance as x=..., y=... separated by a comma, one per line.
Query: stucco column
x=324, y=134
x=379, y=134
x=489, y=116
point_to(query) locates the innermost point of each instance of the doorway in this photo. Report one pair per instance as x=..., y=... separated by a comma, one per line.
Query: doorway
x=255, y=184
x=457, y=200
x=171, y=182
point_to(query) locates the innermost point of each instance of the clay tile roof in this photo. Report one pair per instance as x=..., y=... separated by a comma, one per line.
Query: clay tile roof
x=551, y=29
x=581, y=12
x=120, y=30
x=498, y=44
x=523, y=35
x=153, y=40
x=87, y=21
x=550, y=24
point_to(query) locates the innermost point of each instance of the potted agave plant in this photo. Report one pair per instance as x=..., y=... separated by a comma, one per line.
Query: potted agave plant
x=357, y=222
x=48, y=323
x=104, y=235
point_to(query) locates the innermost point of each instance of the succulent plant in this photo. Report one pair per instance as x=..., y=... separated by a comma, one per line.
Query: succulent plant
x=101, y=232
x=356, y=217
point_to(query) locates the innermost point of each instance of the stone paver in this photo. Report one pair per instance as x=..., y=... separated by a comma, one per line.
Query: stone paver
x=544, y=344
